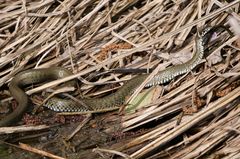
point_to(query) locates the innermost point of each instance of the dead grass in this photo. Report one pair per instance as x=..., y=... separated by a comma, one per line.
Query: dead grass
x=95, y=36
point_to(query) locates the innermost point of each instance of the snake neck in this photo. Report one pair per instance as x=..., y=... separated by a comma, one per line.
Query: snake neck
x=197, y=56
x=170, y=73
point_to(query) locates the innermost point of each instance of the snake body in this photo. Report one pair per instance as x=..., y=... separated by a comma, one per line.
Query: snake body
x=110, y=102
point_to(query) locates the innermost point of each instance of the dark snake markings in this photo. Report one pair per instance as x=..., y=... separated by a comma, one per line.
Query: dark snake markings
x=110, y=102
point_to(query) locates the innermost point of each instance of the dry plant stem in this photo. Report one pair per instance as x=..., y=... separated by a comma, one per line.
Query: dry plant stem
x=204, y=148
x=123, y=21
x=33, y=7
x=37, y=151
x=152, y=42
x=149, y=136
x=59, y=91
x=106, y=68
x=84, y=122
x=123, y=39
x=214, y=126
x=97, y=29
x=156, y=117
x=153, y=109
x=24, y=128
x=148, y=32
x=99, y=150
x=143, y=84
x=213, y=107
x=92, y=13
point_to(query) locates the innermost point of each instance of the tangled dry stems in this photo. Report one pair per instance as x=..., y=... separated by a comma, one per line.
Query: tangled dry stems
x=96, y=36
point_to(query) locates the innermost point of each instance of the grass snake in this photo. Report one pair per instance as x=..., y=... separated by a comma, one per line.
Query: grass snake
x=110, y=102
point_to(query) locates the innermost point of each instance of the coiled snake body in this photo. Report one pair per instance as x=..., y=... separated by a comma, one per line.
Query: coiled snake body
x=110, y=102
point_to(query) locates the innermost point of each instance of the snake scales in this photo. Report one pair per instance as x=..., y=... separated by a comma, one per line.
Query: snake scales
x=110, y=102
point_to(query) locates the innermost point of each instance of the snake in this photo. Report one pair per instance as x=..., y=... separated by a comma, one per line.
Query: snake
x=108, y=103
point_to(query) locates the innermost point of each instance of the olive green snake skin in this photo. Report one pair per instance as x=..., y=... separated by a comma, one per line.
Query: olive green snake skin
x=110, y=102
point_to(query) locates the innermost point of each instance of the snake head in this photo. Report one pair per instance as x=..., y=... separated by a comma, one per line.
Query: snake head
x=207, y=32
